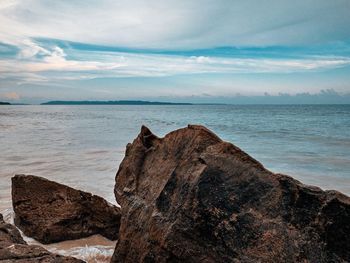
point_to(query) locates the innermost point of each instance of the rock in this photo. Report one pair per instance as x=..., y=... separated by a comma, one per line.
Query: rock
x=14, y=249
x=9, y=234
x=191, y=197
x=51, y=212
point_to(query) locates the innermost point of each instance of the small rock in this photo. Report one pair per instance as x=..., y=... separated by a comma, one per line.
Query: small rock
x=14, y=249
x=51, y=212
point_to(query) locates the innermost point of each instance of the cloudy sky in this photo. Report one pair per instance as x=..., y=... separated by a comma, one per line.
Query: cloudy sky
x=199, y=50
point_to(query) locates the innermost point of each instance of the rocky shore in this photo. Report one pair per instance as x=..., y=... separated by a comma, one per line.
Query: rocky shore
x=187, y=197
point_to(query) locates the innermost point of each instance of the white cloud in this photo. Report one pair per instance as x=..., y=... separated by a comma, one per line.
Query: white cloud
x=168, y=25
x=39, y=64
x=177, y=24
x=164, y=24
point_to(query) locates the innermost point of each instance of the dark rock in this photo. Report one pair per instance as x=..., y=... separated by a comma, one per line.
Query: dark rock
x=191, y=197
x=9, y=234
x=14, y=249
x=52, y=212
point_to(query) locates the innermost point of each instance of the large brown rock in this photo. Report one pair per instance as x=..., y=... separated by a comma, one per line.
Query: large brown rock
x=191, y=197
x=52, y=212
x=14, y=249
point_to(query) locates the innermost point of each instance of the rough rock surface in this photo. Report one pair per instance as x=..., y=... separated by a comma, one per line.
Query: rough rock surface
x=52, y=212
x=14, y=249
x=191, y=197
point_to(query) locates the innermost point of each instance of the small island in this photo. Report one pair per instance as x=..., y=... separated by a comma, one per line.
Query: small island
x=114, y=102
x=4, y=103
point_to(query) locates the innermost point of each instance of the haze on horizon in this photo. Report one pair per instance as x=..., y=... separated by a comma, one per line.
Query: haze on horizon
x=194, y=51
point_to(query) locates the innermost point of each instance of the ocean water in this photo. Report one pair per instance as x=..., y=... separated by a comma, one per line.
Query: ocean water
x=82, y=146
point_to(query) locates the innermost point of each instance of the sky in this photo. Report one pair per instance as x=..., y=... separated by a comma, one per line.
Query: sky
x=171, y=50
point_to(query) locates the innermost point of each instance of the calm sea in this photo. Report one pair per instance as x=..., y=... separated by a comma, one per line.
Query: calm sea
x=82, y=146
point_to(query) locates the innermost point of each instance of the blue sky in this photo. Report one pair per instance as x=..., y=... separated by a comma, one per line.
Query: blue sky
x=195, y=50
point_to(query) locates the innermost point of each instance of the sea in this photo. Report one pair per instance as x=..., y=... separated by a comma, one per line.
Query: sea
x=82, y=146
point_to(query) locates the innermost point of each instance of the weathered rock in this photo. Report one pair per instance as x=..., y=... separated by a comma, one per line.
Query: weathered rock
x=14, y=249
x=52, y=212
x=191, y=197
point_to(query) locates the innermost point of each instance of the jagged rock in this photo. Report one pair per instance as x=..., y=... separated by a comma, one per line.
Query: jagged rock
x=191, y=197
x=52, y=212
x=14, y=249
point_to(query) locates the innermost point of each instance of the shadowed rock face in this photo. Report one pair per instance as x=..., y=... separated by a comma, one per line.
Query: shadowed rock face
x=52, y=212
x=14, y=249
x=191, y=197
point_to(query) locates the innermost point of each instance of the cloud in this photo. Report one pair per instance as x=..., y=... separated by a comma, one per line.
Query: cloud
x=66, y=44
x=329, y=96
x=177, y=24
x=39, y=63
x=12, y=96
x=166, y=25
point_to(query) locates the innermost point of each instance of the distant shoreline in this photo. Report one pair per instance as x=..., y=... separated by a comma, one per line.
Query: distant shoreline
x=116, y=102
x=159, y=103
